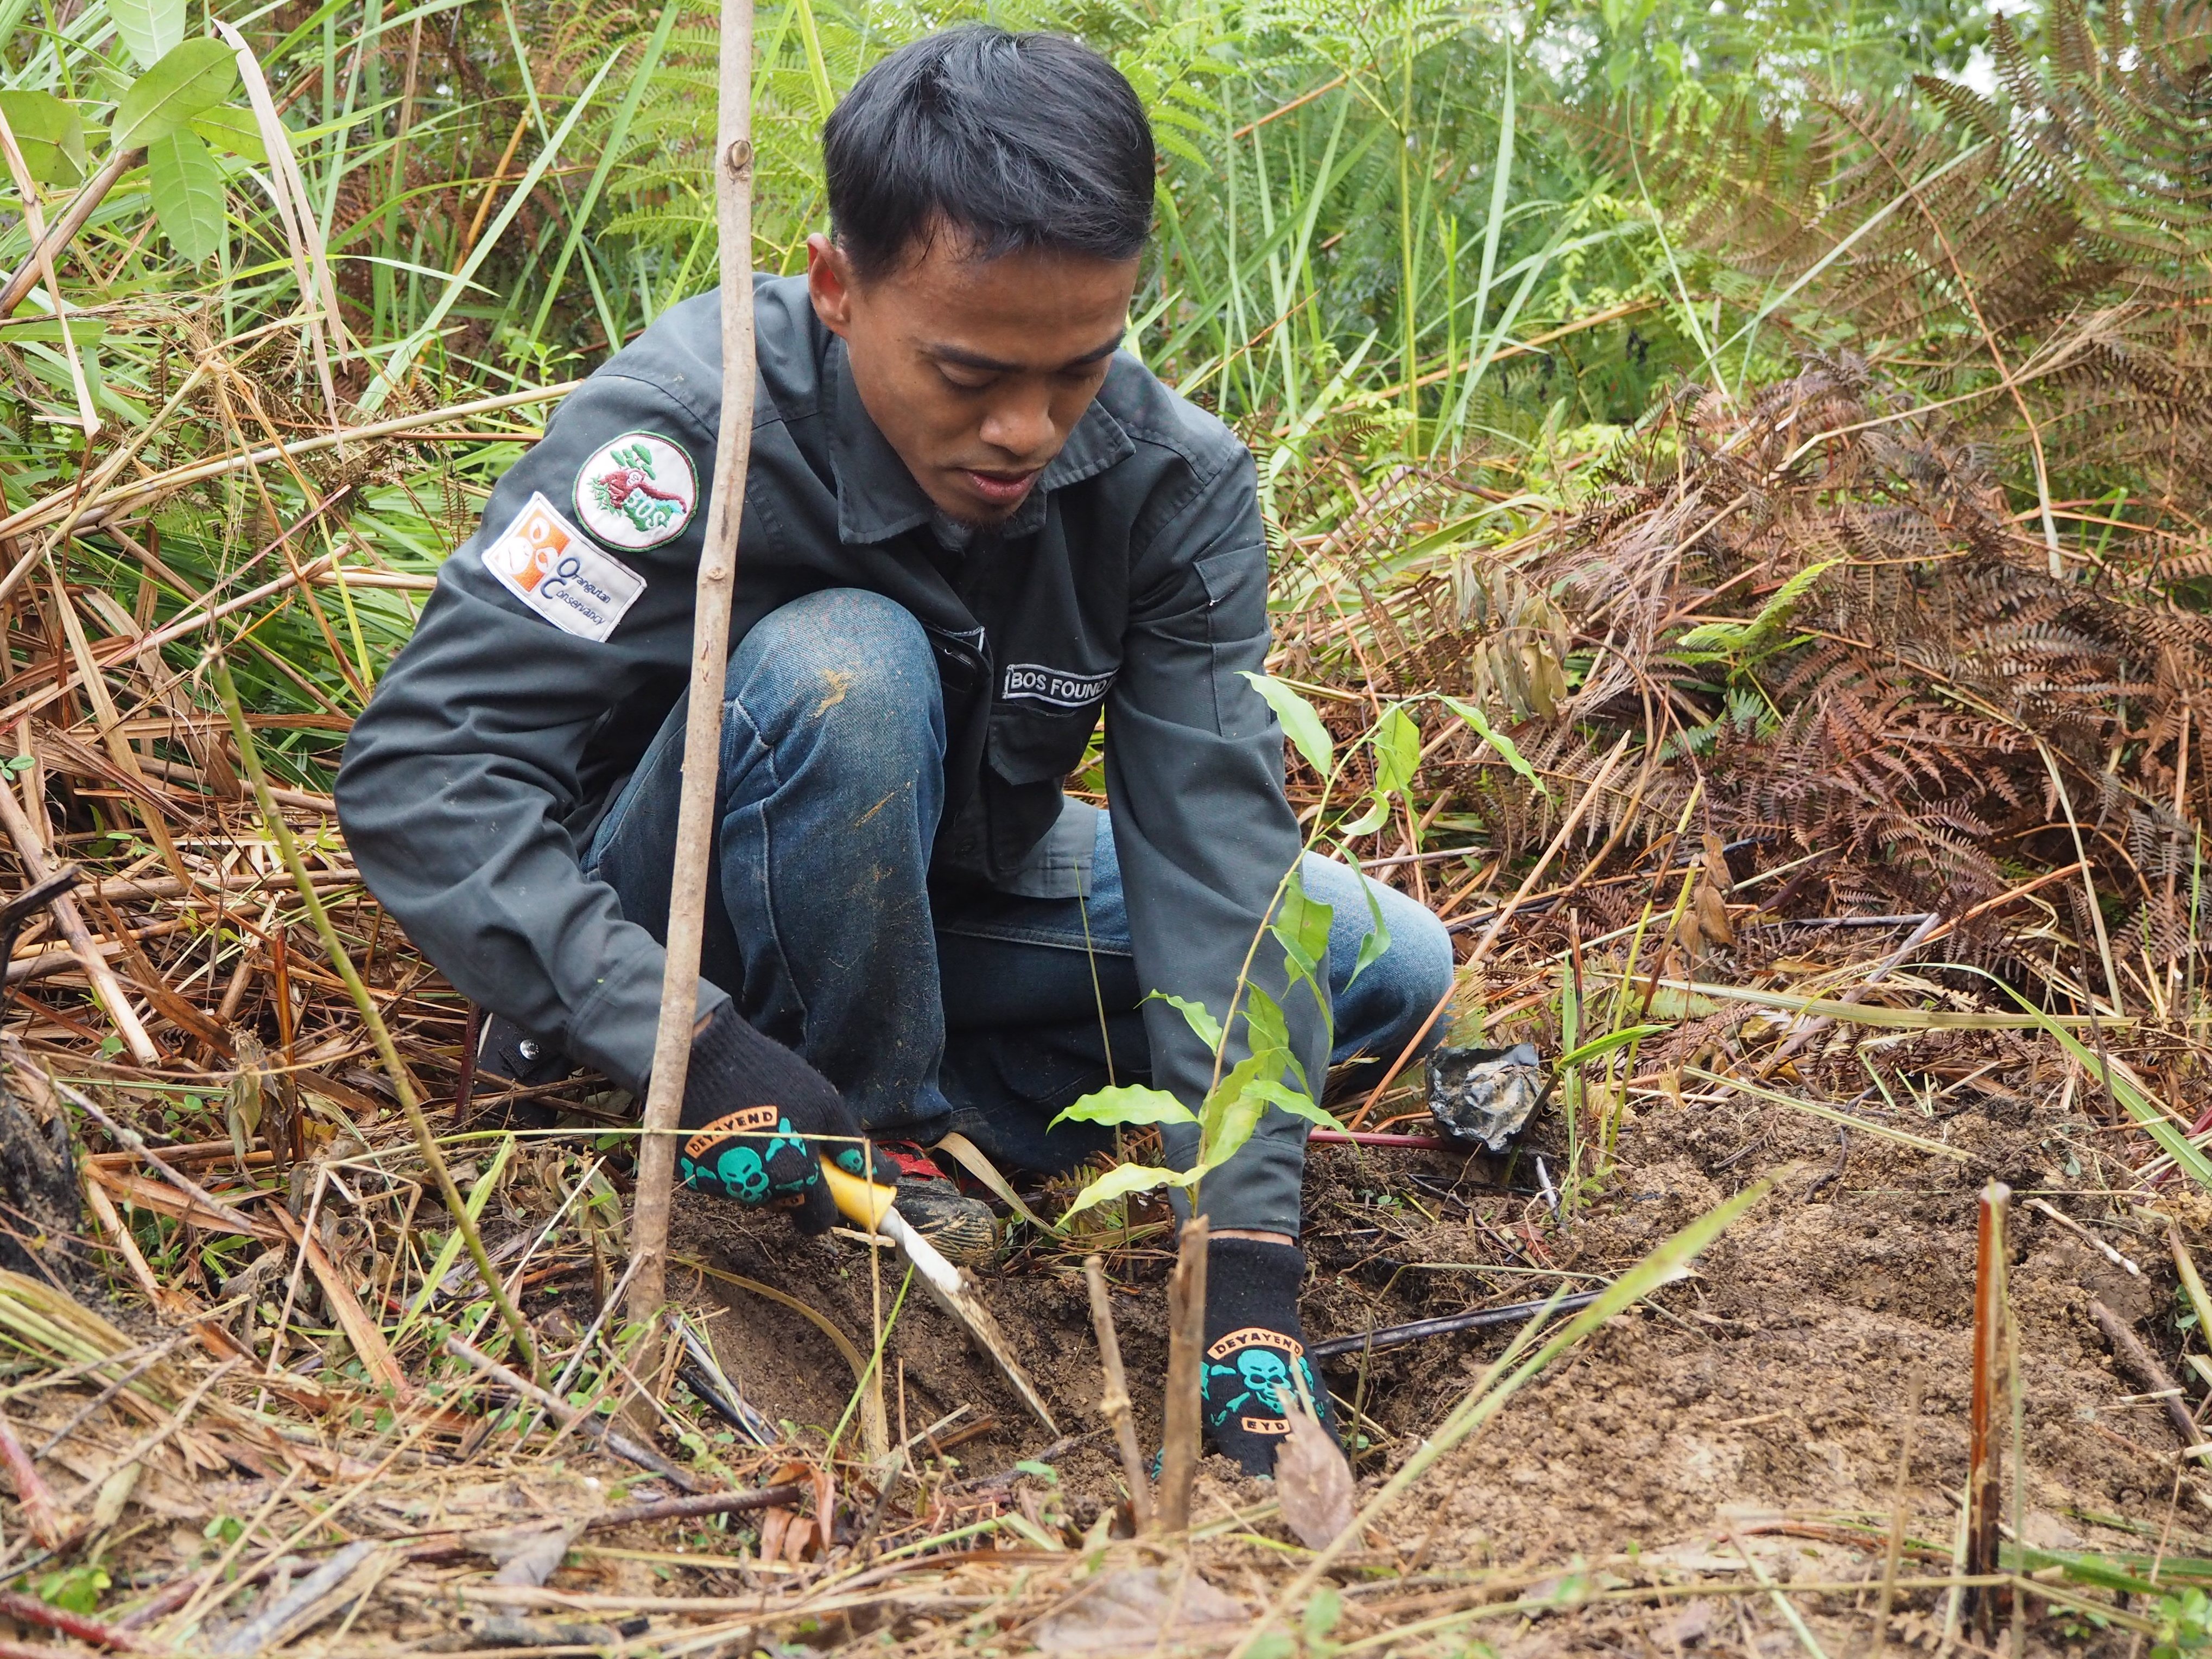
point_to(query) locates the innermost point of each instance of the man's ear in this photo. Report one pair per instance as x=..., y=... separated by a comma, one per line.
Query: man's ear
x=829, y=283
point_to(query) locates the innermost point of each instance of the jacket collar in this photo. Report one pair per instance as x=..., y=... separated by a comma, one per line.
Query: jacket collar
x=878, y=497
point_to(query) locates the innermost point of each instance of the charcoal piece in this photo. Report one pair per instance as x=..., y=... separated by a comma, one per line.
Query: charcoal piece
x=1486, y=1095
x=40, y=1211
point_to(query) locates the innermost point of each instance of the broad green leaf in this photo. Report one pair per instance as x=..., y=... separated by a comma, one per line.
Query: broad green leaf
x=1297, y=1104
x=1300, y=724
x=189, y=81
x=1124, y=1179
x=1196, y=1016
x=1264, y=1023
x=1498, y=740
x=1301, y=926
x=187, y=188
x=233, y=130
x=1607, y=1044
x=1240, y=1115
x=49, y=132
x=1397, y=743
x=151, y=29
x=1128, y=1103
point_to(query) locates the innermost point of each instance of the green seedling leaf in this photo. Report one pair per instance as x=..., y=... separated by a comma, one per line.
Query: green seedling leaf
x=1123, y=1180
x=1196, y=1016
x=187, y=188
x=1127, y=1103
x=1376, y=940
x=1298, y=1103
x=1239, y=1117
x=49, y=132
x=150, y=29
x=1301, y=926
x=1264, y=1023
x=1300, y=724
x=189, y=81
x=1376, y=814
x=1498, y=740
x=1397, y=743
x=233, y=131
x=1606, y=1044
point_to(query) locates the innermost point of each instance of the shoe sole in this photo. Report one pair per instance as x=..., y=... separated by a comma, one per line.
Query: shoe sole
x=966, y=1238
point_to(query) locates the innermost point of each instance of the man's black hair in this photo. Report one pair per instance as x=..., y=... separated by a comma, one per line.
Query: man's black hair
x=1010, y=142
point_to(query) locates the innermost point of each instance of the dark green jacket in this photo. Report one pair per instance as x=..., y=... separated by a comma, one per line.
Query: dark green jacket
x=1133, y=581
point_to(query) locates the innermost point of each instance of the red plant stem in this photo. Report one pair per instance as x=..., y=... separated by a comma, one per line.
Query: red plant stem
x=41, y=1515
x=29, y=1610
x=1379, y=1137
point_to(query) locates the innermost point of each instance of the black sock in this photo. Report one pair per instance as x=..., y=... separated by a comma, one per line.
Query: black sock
x=1254, y=1349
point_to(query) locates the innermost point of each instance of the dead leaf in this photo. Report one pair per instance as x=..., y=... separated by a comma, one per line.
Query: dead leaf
x=775, y=1522
x=528, y=1554
x=1712, y=912
x=241, y=1111
x=1716, y=864
x=1313, y=1483
x=1137, y=1610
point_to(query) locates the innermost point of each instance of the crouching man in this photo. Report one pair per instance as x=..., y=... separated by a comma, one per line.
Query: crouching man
x=973, y=526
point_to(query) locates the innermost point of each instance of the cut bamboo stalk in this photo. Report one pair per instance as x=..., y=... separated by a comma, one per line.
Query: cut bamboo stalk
x=1113, y=1404
x=710, y=650
x=1186, y=1360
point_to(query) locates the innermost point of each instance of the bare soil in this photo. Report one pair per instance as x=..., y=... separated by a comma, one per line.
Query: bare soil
x=1761, y=1405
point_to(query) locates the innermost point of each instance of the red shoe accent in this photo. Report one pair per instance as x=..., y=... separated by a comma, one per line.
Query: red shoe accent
x=914, y=1160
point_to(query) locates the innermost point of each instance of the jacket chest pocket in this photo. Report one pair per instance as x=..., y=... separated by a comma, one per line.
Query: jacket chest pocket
x=1028, y=747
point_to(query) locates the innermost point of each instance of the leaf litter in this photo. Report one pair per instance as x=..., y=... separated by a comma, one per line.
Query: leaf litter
x=1784, y=742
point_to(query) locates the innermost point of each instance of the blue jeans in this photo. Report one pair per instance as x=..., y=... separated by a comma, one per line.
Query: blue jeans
x=936, y=1008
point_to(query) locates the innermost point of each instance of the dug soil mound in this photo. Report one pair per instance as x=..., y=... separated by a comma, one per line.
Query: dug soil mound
x=1807, y=1384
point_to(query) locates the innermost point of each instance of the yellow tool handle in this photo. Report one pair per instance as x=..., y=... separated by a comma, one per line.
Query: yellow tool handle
x=861, y=1202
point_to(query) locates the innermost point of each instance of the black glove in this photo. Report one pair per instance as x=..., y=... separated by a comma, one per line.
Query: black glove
x=1254, y=1346
x=751, y=1107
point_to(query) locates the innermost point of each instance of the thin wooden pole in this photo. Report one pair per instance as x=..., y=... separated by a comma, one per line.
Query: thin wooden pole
x=1113, y=1405
x=1984, y=1452
x=710, y=650
x=1186, y=1378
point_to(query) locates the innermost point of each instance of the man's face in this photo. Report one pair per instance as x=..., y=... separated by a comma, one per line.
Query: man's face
x=976, y=370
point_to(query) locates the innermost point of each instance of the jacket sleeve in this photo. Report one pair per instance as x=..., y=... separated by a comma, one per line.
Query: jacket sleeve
x=1194, y=782
x=460, y=775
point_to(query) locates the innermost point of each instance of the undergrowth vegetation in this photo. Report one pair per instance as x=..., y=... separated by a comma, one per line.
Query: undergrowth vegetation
x=1739, y=480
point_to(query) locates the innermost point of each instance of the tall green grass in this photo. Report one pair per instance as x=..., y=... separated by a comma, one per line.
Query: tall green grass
x=1366, y=216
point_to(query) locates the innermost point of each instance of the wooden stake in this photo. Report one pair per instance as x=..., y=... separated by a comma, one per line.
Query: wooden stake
x=1185, y=1370
x=710, y=650
x=1984, y=1457
x=1113, y=1404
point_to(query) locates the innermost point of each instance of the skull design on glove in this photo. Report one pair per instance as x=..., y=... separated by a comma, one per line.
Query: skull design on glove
x=1267, y=1377
x=1248, y=1374
x=742, y=1175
